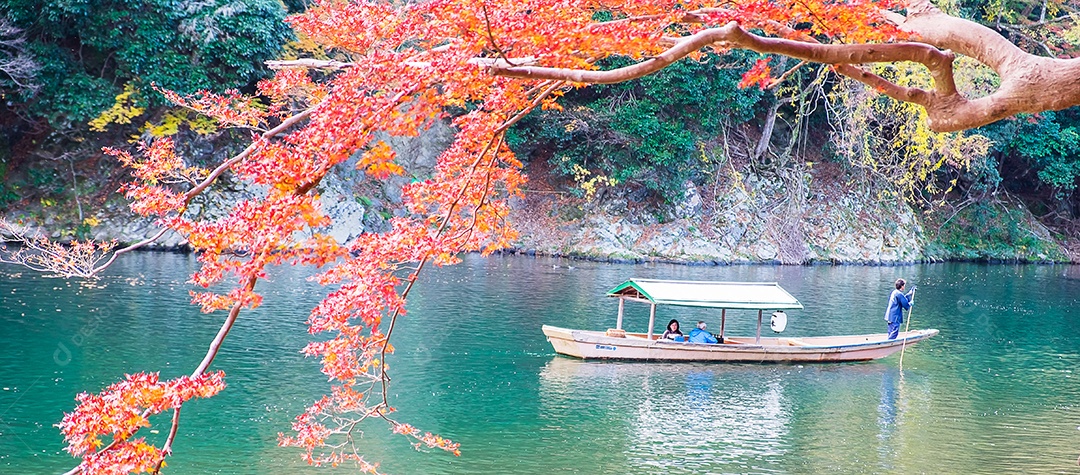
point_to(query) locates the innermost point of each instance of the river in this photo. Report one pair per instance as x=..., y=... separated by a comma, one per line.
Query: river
x=997, y=391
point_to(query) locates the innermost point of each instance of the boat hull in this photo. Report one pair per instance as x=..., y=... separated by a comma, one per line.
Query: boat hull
x=587, y=344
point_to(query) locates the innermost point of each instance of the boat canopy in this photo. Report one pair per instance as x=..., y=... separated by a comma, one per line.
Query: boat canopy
x=742, y=295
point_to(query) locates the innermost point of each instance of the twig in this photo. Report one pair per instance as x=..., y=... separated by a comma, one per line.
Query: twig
x=491, y=36
x=166, y=449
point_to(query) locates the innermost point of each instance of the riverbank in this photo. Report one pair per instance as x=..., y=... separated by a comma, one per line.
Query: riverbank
x=752, y=221
x=813, y=214
x=755, y=220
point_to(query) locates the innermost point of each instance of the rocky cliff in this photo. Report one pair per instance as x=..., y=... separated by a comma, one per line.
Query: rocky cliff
x=812, y=214
x=813, y=218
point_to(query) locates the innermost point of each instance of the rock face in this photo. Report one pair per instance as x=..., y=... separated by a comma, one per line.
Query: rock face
x=758, y=221
x=353, y=203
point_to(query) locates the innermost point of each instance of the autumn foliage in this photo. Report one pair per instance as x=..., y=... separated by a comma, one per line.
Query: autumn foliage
x=399, y=67
x=121, y=410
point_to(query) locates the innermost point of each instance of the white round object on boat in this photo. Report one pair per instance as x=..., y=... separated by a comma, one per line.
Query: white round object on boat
x=778, y=322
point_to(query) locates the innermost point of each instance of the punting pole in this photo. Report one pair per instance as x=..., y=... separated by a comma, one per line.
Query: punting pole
x=903, y=346
x=758, y=340
x=723, y=317
x=652, y=318
x=618, y=322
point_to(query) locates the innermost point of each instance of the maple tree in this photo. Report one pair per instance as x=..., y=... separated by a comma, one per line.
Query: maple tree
x=399, y=67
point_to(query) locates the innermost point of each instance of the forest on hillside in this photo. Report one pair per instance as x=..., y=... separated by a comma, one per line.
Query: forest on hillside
x=76, y=76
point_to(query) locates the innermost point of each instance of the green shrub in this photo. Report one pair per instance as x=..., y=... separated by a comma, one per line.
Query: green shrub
x=653, y=131
x=992, y=231
x=89, y=50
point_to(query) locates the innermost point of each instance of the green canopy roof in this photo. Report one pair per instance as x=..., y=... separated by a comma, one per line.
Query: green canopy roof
x=744, y=295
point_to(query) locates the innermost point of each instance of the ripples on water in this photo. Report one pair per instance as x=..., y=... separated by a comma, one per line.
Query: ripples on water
x=995, y=392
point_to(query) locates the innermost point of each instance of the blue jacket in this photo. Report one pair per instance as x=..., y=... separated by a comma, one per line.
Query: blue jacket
x=898, y=302
x=698, y=335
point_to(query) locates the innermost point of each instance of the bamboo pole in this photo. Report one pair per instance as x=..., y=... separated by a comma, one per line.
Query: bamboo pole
x=618, y=322
x=723, y=318
x=758, y=340
x=903, y=346
x=652, y=319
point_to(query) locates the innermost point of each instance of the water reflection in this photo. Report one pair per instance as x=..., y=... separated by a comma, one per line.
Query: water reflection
x=729, y=418
x=887, y=410
x=681, y=418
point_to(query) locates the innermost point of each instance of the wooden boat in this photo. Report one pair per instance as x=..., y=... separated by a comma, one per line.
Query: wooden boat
x=616, y=343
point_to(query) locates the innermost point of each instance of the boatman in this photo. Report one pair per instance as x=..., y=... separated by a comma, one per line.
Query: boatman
x=898, y=302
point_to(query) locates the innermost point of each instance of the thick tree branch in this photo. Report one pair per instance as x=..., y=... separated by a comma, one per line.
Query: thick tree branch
x=943, y=73
x=734, y=35
x=1025, y=78
x=933, y=27
x=844, y=56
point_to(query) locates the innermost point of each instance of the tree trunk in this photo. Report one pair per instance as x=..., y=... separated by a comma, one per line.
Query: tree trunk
x=767, y=130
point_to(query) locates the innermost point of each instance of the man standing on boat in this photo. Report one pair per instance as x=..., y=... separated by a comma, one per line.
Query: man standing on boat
x=898, y=302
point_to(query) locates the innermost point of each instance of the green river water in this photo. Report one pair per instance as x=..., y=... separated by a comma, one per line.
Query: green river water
x=998, y=391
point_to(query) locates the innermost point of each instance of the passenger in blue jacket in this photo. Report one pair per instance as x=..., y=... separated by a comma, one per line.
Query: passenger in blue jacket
x=699, y=335
x=898, y=302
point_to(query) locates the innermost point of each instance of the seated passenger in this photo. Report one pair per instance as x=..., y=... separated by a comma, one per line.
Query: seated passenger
x=699, y=335
x=672, y=332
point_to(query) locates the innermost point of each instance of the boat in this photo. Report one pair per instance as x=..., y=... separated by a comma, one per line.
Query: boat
x=617, y=343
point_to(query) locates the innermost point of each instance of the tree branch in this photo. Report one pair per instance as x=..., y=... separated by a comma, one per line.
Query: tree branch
x=283, y=126
x=128, y=249
x=234, y=312
x=735, y=35
x=946, y=82
x=166, y=449
x=307, y=63
x=1025, y=78
x=548, y=89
